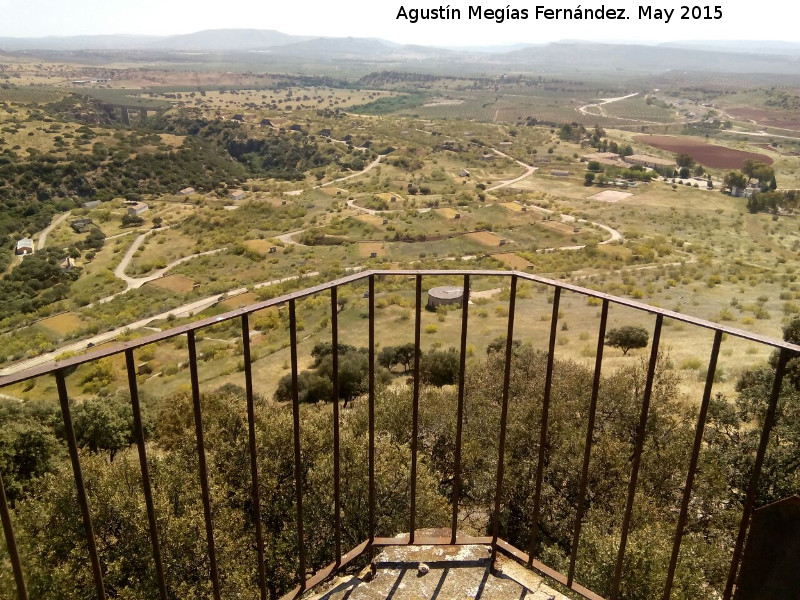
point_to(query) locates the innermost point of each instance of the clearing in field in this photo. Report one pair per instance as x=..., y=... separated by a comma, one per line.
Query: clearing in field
x=447, y=213
x=235, y=302
x=610, y=196
x=370, y=219
x=513, y=206
x=559, y=226
x=62, y=324
x=718, y=157
x=512, y=260
x=173, y=283
x=260, y=246
x=333, y=191
x=366, y=249
x=388, y=197
x=486, y=238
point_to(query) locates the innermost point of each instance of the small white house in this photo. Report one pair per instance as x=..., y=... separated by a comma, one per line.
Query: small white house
x=137, y=209
x=24, y=246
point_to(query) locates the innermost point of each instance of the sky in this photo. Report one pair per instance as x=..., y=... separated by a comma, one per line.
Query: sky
x=771, y=19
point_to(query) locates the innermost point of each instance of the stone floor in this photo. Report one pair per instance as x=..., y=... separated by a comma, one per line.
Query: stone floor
x=437, y=572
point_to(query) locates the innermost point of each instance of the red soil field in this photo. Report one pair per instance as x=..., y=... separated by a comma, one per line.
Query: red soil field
x=718, y=157
x=767, y=117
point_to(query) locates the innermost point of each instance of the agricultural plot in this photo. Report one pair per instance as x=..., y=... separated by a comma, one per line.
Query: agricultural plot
x=710, y=155
x=637, y=109
x=513, y=261
x=62, y=324
x=234, y=302
x=173, y=283
x=611, y=196
x=31, y=95
x=368, y=249
x=259, y=246
x=487, y=238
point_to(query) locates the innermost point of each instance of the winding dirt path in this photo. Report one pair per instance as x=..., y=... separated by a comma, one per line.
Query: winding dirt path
x=529, y=170
x=41, y=237
x=603, y=101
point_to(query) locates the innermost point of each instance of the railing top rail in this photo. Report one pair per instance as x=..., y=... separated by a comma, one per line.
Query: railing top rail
x=112, y=350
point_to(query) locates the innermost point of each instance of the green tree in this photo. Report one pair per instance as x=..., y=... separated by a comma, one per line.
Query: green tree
x=390, y=356
x=439, y=367
x=104, y=424
x=627, y=337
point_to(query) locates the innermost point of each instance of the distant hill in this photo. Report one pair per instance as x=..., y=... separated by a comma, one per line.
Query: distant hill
x=567, y=57
x=586, y=56
x=227, y=40
x=740, y=46
x=79, y=42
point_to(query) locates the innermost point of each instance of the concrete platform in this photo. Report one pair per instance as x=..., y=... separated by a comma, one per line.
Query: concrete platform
x=453, y=573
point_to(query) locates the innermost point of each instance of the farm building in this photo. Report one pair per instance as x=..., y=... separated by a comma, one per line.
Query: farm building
x=81, y=225
x=187, y=191
x=463, y=173
x=67, y=264
x=646, y=160
x=137, y=209
x=91, y=204
x=24, y=246
x=559, y=173
x=444, y=295
x=604, y=158
x=236, y=194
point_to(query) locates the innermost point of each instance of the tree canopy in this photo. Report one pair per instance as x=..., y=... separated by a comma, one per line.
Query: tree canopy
x=627, y=337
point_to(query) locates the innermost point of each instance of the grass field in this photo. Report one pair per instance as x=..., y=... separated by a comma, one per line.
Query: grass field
x=62, y=324
x=173, y=283
x=485, y=237
x=260, y=246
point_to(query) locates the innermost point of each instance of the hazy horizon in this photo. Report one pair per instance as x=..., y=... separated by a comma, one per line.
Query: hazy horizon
x=362, y=18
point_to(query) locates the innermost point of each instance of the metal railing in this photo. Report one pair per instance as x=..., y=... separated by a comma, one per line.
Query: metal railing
x=60, y=368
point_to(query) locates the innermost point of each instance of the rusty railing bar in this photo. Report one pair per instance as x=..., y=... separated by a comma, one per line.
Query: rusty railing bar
x=462, y=361
x=50, y=366
x=203, y=467
x=147, y=486
x=337, y=493
x=251, y=439
x=298, y=472
x=548, y=384
x=637, y=457
x=328, y=571
x=769, y=422
x=11, y=544
x=587, y=448
x=523, y=559
x=371, y=408
x=415, y=407
x=503, y=421
x=83, y=500
x=698, y=442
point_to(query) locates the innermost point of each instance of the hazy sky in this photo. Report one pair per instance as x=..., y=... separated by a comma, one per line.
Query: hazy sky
x=768, y=19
